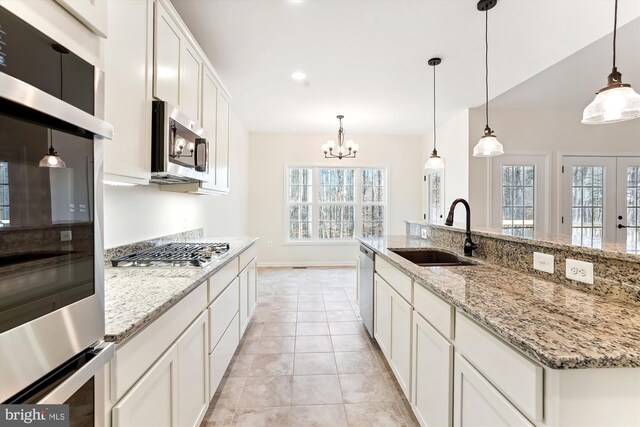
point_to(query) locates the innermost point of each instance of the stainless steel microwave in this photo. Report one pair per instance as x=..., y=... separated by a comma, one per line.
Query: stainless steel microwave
x=179, y=147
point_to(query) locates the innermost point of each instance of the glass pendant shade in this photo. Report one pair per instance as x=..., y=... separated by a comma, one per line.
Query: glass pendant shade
x=488, y=146
x=435, y=162
x=613, y=105
x=52, y=160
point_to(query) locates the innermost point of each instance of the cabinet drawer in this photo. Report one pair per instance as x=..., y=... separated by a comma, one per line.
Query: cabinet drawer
x=517, y=377
x=437, y=312
x=398, y=280
x=246, y=256
x=223, y=353
x=222, y=311
x=219, y=281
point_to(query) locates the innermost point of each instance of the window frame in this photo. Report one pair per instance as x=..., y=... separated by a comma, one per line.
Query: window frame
x=315, y=203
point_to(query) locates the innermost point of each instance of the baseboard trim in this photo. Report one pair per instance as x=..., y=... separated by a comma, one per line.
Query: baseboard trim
x=307, y=264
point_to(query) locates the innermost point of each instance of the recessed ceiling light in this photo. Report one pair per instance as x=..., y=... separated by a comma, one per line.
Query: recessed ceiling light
x=298, y=75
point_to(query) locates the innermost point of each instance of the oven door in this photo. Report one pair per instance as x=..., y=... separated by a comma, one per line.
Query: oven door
x=72, y=384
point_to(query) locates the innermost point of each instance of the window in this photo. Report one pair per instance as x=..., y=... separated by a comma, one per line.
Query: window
x=335, y=203
x=587, y=189
x=4, y=194
x=633, y=209
x=518, y=189
x=434, y=196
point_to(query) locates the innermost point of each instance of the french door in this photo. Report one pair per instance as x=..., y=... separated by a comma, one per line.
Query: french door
x=601, y=200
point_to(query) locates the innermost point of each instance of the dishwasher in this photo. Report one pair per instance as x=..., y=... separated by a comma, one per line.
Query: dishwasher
x=366, y=287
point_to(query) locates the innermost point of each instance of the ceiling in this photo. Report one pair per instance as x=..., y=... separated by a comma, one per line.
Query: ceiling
x=367, y=59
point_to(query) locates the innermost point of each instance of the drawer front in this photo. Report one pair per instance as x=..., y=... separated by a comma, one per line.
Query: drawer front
x=223, y=353
x=398, y=280
x=222, y=311
x=246, y=256
x=219, y=281
x=135, y=356
x=517, y=377
x=437, y=312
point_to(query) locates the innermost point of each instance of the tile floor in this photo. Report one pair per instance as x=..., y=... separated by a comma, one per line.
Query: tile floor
x=306, y=360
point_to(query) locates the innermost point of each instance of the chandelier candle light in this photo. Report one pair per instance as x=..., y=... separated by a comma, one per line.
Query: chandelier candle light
x=435, y=161
x=488, y=146
x=618, y=101
x=346, y=150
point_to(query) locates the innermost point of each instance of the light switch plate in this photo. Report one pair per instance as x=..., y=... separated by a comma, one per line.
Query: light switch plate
x=423, y=233
x=543, y=262
x=66, y=236
x=579, y=270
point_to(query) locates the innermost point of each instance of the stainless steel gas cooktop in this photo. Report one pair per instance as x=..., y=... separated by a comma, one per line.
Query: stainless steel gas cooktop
x=174, y=255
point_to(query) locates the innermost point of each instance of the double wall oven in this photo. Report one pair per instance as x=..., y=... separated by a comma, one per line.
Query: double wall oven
x=51, y=246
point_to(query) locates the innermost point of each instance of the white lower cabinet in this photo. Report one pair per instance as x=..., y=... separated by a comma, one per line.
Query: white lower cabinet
x=252, y=285
x=223, y=353
x=432, y=379
x=478, y=404
x=193, y=373
x=401, y=315
x=382, y=315
x=153, y=400
x=248, y=294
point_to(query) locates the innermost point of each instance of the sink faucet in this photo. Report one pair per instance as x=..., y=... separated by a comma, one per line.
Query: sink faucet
x=469, y=246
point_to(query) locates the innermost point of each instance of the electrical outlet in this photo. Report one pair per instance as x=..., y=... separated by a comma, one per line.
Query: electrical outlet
x=543, y=262
x=66, y=236
x=580, y=271
x=423, y=233
x=270, y=243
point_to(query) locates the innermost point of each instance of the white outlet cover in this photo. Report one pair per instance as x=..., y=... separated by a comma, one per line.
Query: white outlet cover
x=580, y=271
x=543, y=262
x=66, y=236
x=423, y=233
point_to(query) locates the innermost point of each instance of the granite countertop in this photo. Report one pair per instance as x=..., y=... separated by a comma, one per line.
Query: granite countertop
x=136, y=296
x=560, y=327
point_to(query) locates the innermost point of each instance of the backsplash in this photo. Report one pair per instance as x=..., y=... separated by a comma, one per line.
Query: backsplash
x=146, y=244
x=616, y=274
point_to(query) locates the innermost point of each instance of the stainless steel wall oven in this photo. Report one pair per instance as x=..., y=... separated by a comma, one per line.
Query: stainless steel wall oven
x=51, y=246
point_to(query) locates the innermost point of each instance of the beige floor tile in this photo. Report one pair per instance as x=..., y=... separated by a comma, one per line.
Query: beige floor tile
x=310, y=298
x=316, y=390
x=222, y=417
x=275, y=345
x=271, y=365
x=382, y=361
x=310, y=290
x=228, y=393
x=318, y=416
x=313, y=344
x=284, y=306
x=312, y=328
x=345, y=328
x=407, y=413
x=335, y=297
x=349, y=343
x=255, y=417
x=394, y=386
x=357, y=362
x=359, y=388
x=311, y=306
x=254, y=330
x=289, y=290
x=341, y=316
x=248, y=346
x=266, y=391
x=315, y=364
x=282, y=317
x=239, y=366
x=337, y=306
x=379, y=414
x=260, y=316
x=312, y=316
x=279, y=330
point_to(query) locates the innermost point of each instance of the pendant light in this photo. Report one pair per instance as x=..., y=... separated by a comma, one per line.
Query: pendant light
x=52, y=159
x=344, y=150
x=488, y=146
x=618, y=101
x=435, y=162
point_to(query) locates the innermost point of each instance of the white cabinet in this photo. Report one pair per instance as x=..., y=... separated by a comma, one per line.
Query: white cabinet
x=208, y=115
x=252, y=284
x=382, y=315
x=128, y=76
x=432, y=380
x=222, y=142
x=223, y=353
x=190, y=64
x=244, y=300
x=478, y=403
x=401, y=315
x=193, y=373
x=92, y=13
x=167, y=50
x=153, y=401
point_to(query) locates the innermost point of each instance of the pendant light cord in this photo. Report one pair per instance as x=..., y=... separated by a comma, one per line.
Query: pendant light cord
x=486, y=64
x=434, y=108
x=615, y=28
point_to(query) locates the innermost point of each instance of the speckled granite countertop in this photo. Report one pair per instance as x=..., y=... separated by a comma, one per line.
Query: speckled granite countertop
x=562, y=328
x=135, y=296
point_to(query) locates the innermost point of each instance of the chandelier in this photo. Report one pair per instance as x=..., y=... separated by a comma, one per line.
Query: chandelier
x=346, y=150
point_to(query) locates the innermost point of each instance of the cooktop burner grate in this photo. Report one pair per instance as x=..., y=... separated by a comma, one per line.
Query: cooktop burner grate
x=174, y=254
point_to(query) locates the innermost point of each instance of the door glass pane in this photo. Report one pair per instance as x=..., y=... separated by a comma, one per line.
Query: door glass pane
x=435, y=193
x=633, y=209
x=518, y=200
x=587, y=189
x=4, y=194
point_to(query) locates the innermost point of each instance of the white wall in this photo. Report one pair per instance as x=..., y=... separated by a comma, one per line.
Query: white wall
x=544, y=131
x=139, y=213
x=270, y=152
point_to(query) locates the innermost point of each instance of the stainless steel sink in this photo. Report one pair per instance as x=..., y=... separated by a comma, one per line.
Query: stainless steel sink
x=431, y=257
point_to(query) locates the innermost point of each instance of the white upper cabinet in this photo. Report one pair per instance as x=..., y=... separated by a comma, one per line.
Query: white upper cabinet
x=190, y=64
x=208, y=117
x=128, y=76
x=167, y=50
x=222, y=143
x=92, y=13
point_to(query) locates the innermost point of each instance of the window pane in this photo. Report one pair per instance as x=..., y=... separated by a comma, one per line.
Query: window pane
x=518, y=200
x=633, y=209
x=587, y=214
x=300, y=185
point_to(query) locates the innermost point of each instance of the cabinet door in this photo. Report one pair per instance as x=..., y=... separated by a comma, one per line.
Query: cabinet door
x=167, y=49
x=252, y=284
x=193, y=373
x=432, y=375
x=91, y=13
x=128, y=75
x=153, y=400
x=222, y=142
x=208, y=116
x=478, y=403
x=244, y=300
x=189, y=81
x=401, y=322
x=382, y=315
